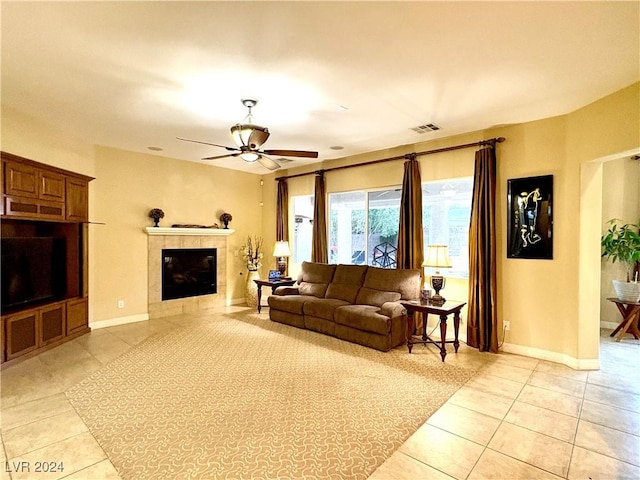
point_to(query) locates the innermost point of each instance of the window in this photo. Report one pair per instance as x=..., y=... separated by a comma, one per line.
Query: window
x=363, y=225
x=446, y=212
x=303, y=228
x=359, y=222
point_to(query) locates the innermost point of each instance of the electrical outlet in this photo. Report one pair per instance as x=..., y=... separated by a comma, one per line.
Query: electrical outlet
x=507, y=325
x=120, y=303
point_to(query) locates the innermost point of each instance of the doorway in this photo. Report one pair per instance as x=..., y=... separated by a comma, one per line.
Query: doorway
x=607, y=191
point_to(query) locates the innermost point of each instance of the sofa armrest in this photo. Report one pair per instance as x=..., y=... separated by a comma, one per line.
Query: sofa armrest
x=392, y=309
x=286, y=291
x=397, y=316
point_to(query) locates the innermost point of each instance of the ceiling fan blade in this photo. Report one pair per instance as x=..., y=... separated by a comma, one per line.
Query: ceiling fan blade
x=292, y=153
x=221, y=156
x=268, y=163
x=231, y=149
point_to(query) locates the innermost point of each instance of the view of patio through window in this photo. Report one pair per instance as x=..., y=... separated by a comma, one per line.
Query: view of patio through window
x=446, y=212
x=363, y=224
x=361, y=221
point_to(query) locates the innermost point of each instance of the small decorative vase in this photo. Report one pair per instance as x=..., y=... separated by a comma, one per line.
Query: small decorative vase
x=226, y=224
x=251, y=289
x=155, y=222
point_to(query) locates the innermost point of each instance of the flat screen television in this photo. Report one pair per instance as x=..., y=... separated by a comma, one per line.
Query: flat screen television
x=33, y=270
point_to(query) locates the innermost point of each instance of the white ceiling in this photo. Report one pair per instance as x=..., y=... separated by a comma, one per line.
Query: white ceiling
x=137, y=74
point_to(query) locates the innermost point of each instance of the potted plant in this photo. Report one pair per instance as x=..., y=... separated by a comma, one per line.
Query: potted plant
x=622, y=243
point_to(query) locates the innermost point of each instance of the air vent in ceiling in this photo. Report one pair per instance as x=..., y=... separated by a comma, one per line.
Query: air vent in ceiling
x=428, y=127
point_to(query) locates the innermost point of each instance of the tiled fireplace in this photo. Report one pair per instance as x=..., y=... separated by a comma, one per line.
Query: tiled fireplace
x=160, y=239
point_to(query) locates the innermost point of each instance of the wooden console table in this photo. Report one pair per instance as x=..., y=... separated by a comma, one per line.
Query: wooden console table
x=273, y=284
x=630, y=312
x=443, y=311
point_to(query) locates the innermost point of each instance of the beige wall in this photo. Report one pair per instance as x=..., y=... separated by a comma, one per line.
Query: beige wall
x=552, y=305
x=28, y=137
x=545, y=300
x=127, y=186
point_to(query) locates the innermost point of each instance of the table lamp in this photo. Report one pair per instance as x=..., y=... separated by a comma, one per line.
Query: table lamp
x=437, y=257
x=281, y=250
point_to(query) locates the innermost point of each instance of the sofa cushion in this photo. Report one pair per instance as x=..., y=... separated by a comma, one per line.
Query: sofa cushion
x=363, y=317
x=314, y=278
x=369, y=296
x=288, y=303
x=404, y=281
x=346, y=282
x=322, y=307
x=350, y=274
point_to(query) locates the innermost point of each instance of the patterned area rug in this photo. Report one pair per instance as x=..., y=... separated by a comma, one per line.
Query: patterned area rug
x=243, y=397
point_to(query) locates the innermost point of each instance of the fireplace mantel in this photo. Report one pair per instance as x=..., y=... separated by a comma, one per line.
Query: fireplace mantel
x=222, y=232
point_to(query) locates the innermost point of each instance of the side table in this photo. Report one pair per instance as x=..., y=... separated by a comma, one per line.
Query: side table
x=630, y=312
x=443, y=311
x=273, y=284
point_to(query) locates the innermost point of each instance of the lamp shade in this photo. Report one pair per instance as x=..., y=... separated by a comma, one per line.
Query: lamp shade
x=437, y=257
x=281, y=249
x=249, y=156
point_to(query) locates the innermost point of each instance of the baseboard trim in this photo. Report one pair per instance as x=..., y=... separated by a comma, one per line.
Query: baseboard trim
x=112, y=322
x=611, y=325
x=575, y=363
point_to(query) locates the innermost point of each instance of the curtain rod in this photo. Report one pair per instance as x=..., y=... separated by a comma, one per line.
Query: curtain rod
x=481, y=143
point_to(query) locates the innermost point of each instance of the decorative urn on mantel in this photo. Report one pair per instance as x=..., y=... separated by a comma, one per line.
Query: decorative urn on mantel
x=156, y=214
x=225, y=218
x=622, y=243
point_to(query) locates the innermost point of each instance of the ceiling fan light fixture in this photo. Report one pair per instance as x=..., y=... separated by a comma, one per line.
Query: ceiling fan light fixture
x=249, y=136
x=249, y=156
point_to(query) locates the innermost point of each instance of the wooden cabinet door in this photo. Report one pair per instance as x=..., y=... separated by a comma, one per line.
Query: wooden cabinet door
x=22, y=333
x=52, y=186
x=21, y=207
x=52, y=323
x=77, y=315
x=20, y=180
x=77, y=200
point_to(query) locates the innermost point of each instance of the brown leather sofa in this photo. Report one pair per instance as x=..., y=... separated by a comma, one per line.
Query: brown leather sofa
x=356, y=303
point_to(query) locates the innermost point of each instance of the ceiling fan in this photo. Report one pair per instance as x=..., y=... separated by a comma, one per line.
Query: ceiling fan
x=249, y=138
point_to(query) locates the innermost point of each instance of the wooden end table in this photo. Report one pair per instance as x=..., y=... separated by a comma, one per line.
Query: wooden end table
x=273, y=284
x=630, y=312
x=443, y=311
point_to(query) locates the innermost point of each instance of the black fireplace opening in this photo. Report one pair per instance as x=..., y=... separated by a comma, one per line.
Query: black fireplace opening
x=188, y=272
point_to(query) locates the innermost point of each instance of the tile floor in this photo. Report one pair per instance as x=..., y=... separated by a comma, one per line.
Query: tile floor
x=523, y=418
x=518, y=418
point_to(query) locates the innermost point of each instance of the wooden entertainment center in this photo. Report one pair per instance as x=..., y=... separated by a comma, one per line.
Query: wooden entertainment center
x=42, y=202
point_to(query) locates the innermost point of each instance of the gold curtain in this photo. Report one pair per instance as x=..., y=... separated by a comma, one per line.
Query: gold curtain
x=319, y=246
x=482, y=327
x=282, y=211
x=410, y=241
